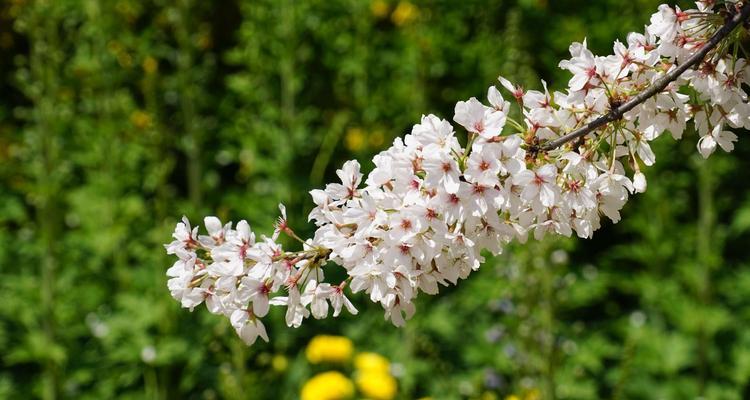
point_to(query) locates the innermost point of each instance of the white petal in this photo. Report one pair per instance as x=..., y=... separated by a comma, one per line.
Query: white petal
x=260, y=305
x=506, y=84
x=212, y=224
x=546, y=195
x=639, y=182
x=706, y=145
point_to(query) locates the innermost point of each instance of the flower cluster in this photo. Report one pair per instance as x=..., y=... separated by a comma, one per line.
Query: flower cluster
x=421, y=218
x=373, y=375
x=237, y=277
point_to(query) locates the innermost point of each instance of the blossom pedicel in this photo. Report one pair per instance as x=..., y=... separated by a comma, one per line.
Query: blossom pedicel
x=429, y=207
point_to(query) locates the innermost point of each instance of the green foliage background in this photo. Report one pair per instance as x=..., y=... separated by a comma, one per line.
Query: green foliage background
x=119, y=116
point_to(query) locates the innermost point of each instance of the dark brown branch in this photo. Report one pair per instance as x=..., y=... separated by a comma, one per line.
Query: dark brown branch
x=616, y=113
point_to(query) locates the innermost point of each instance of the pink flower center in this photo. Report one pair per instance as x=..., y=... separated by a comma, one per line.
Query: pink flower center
x=539, y=180
x=479, y=126
x=404, y=248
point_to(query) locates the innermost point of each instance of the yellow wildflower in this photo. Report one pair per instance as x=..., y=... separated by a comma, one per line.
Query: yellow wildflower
x=379, y=8
x=150, y=65
x=376, y=385
x=140, y=119
x=372, y=362
x=355, y=139
x=329, y=385
x=533, y=394
x=335, y=349
x=404, y=13
x=279, y=363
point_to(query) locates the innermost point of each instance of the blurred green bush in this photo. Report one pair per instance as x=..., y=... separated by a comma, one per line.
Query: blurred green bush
x=119, y=116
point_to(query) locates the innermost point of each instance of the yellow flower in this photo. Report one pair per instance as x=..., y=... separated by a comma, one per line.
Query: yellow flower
x=376, y=385
x=140, y=119
x=279, y=363
x=355, y=139
x=150, y=65
x=372, y=362
x=512, y=397
x=379, y=8
x=404, y=13
x=532, y=394
x=323, y=348
x=329, y=385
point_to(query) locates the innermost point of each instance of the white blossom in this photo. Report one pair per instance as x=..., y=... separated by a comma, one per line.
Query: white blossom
x=429, y=207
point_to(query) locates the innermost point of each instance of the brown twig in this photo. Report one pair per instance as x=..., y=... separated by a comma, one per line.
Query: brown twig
x=733, y=20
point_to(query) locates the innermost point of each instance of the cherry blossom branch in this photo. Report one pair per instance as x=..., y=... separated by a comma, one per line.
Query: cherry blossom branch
x=423, y=217
x=733, y=20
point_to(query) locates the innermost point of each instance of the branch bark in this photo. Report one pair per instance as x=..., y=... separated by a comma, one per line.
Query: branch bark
x=616, y=113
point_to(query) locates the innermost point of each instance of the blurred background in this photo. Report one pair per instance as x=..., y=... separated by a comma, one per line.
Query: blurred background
x=119, y=116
